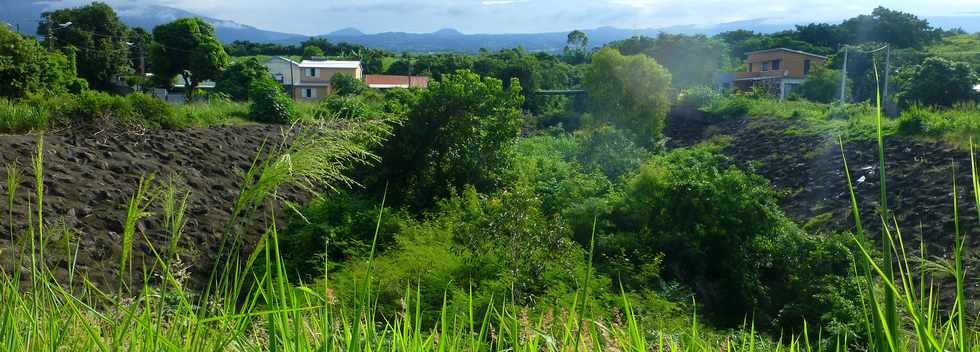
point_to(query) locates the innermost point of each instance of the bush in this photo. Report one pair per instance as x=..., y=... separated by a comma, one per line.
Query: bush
x=822, y=85
x=345, y=84
x=93, y=105
x=458, y=133
x=237, y=78
x=27, y=68
x=270, y=104
x=698, y=97
x=939, y=82
x=723, y=234
x=152, y=112
x=343, y=107
x=610, y=151
x=732, y=106
x=342, y=226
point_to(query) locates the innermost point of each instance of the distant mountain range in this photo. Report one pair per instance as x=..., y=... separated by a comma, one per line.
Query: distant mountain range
x=25, y=13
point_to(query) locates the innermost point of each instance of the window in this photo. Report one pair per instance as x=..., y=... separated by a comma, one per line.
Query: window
x=308, y=92
x=278, y=77
x=750, y=67
x=312, y=72
x=806, y=67
x=775, y=65
x=765, y=66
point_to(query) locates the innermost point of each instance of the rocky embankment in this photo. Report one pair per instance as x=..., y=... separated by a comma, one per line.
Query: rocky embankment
x=89, y=178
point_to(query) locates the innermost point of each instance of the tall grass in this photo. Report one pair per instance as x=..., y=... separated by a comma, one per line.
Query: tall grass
x=252, y=304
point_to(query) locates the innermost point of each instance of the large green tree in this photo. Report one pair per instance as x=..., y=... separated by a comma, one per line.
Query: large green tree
x=457, y=133
x=236, y=79
x=27, y=68
x=940, y=82
x=629, y=92
x=691, y=60
x=903, y=30
x=96, y=36
x=822, y=85
x=187, y=47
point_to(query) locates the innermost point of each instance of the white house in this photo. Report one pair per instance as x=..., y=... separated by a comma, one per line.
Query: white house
x=310, y=79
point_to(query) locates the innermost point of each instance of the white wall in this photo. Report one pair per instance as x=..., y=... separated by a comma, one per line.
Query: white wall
x=280, y=66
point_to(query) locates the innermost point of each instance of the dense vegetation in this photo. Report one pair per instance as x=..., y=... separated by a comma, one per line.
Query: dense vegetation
x=476, y=212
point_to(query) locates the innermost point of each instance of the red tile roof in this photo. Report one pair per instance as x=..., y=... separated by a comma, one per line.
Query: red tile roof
x=389, y=81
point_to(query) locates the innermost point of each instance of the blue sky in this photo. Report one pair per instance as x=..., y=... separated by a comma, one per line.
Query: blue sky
x=522, y=16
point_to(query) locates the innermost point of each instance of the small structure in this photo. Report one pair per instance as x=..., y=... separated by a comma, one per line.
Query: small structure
x=395, y=81
x=779, y=71
x=310, y=79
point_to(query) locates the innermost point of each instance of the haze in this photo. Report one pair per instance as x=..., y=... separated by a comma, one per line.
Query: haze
x=524, y=16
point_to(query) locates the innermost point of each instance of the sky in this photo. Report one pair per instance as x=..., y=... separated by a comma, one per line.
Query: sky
x=313, y=17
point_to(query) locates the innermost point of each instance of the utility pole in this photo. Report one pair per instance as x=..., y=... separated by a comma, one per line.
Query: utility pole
x=843, y=77
x=888, y=62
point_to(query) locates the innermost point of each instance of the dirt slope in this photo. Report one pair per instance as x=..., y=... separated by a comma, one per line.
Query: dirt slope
x=89, y=178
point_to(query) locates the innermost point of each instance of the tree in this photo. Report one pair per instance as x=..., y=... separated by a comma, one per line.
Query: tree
x=903, y=30
x=27, y=68
x=310, y=51
x=691, y=60
x=940, y=82
x=629, y=92
x=345, y=84
x=577, y=40
x=97, y=36
x=238, y=77
x=821, y=85
x=187, y=47
x=458, y=133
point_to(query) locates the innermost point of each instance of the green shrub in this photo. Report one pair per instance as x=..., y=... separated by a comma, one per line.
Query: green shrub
x=344, y=107
x=458, y=133
x=610, y=151
x=270, y=104
x=94, y=105
x=345, y=84
x=732, y=106
x=721, y=233
x=838, y=111
x=341, y=225
x=237, y=78
x=698, y=97
x=152, y=112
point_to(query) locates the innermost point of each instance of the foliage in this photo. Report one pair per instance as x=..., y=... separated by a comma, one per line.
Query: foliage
x=940, y=82
x=311, y=51
x=821, y=85
x=689, y=207
x=900, y=29
x=96, y=37
x=691, y=60
x=610, y=151
x=629, y=92
x=698, y=97
x=345, y=84
x=959, y=47
x=458, y=133
x=269, y=103
x=26, y=68
x=187, y=47
x=236, y=79
x=340, y=226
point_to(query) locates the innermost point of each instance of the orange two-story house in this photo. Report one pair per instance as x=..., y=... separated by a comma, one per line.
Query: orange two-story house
x=778, y=71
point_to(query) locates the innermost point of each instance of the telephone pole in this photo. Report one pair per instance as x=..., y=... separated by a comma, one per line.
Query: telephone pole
x=843, y=77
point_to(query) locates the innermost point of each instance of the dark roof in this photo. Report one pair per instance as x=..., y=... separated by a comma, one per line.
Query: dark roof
x=786, y=50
